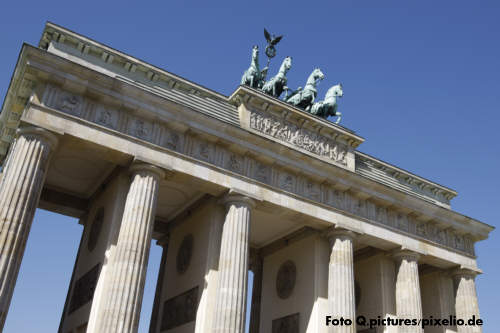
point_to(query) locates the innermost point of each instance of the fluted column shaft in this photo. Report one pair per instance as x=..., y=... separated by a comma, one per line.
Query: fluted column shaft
x=230, y=308
x=341, y=294
x=122, y=301
x=408, y=298
x=466, y=305
x=20, y=191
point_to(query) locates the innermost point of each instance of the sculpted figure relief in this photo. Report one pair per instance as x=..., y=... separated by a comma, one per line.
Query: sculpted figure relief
x=305, y=98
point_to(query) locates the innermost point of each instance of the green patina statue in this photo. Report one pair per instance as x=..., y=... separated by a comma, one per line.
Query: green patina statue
x=328, y=107
x=253, y=76
x=277, y=83
x=305, y=98
x=271, y=43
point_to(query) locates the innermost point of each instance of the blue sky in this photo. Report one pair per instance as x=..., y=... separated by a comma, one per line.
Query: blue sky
x=421, y=83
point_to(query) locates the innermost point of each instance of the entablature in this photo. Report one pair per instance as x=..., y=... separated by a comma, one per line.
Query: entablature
x=238, y=152
x=242, y=144
x=89, y=53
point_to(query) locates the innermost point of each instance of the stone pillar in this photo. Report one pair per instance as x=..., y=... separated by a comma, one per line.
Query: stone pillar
x=341, y=294
x=20, y=191
x=256, y=265
x=230, y=308
x=163, y=242
x=466, y=305
x=122, y=301
x=408, y=298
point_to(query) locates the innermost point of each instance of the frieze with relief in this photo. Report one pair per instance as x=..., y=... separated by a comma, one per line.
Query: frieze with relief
x=204, y=150
x=299, y=137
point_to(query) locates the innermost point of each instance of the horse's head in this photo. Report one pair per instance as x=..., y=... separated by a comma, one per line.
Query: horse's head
x=335, y=91
x=255, y=51
x=287, y=63
x=317, y=75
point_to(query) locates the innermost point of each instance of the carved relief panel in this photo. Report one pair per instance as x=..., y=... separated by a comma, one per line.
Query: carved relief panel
x=298, y=137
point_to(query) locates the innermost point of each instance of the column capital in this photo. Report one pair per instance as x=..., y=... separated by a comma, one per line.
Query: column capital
x=405, y=254
x=142, y=167
x=461, y=272
x=237, y=197
x=40, y=133
x=335, y=232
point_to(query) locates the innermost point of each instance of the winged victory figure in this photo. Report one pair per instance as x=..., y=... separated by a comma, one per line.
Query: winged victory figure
x=272, y=40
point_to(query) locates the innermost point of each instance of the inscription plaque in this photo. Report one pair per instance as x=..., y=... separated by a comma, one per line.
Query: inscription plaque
x=84, y=288
x=287, y=324
x=180, y=309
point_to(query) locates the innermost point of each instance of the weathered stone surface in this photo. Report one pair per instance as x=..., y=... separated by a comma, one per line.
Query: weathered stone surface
x=20, y=190
x=408, y=299
x=123, y=298
x=233, y=266
x=466, y=305
x=341, y=289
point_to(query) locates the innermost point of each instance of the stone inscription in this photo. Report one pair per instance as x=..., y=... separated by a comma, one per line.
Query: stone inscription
x=180, y=309
x=287, y=324
x=276, y=176
x=84, y=288
x=299, y=137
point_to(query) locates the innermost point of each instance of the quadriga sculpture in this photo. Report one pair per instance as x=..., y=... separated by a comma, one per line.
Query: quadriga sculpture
x=305, y=98
x=328, y=107
x=277, y=83
x=253, y=76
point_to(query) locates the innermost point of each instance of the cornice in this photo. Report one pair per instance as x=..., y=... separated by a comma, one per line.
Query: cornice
x=54, y=33
x=83, y=46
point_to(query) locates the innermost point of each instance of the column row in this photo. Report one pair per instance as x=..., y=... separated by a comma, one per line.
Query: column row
x=407, y=287
x=20, y=189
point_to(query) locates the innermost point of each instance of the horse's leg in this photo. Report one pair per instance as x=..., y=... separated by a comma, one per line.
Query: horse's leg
x=339, y=115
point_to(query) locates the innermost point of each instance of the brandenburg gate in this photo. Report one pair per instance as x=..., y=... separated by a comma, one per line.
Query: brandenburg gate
x=225, y=185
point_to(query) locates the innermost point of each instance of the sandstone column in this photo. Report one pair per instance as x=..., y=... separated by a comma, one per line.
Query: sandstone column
x=408, y=299
x=230, y=308
x=466, y=304
x=122, y=301
x=341, y=294
x=20, y=191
